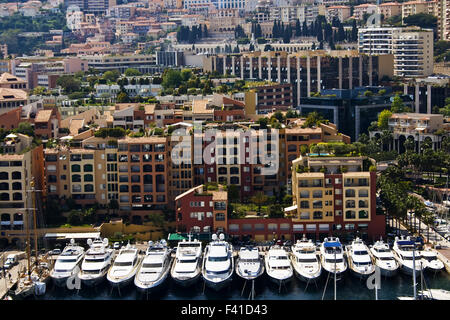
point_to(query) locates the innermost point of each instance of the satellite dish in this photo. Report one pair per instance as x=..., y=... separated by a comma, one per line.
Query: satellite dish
x=396, y=238
x=150, y=242
x=337, y=239
x=105, y=241
x=89, y=242
x=214, y=237
x=222, y=236
x=163, y=242
x=408, y=238
x=72, y=241
x=325, y=240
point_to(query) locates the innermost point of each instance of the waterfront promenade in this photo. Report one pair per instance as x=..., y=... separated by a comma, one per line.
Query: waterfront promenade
x=7, y=282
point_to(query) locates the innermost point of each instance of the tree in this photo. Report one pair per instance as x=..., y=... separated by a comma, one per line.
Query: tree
x=298, y=28
x=398, y=106
x=354, y=34
x=130, y=72
x=233, y=193
x=276, y=211
x=171, y=78
x=423, y=20
x=259, y=199
x=258, y=31
x=313, y=119
x=111, y=75
x=69, y=83
x=383, y=119
x=122, y=97
x=186, y=74
x=25, y=128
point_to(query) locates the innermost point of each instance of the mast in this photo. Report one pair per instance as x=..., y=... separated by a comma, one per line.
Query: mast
x=414, y=270
x=28, y=248
x=335, y=273
x=33, y=198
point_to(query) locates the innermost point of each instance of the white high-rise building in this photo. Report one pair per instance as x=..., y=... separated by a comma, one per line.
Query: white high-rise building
x=412, y=48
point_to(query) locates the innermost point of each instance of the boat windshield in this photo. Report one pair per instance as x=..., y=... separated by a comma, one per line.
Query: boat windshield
x=411, y=258
x=67, y=260
x=360, y=264
x=381, y=250
x=123, y=264
x=431, y=258
x=332, y=260
x=360, y=253
x=91, y=271
x=186, y=260
x=186, y=245
x=94, y=259
x=312, y=260
x=278, y=257
x=63, y=270
x=331, y=251
x=385, y=258
x=218, y=259
x=152, y=265
x=249, y=260
x=280, y=267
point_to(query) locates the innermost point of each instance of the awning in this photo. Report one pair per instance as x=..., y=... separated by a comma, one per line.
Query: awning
x=74, y=235
x=175, y=237
x=291, y=208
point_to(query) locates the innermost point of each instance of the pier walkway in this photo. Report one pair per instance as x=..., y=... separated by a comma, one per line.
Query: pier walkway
x=7, y=282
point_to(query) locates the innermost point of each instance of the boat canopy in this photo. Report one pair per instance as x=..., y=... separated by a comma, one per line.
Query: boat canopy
x=332, y=244
x=405, y=243
x=176, y=237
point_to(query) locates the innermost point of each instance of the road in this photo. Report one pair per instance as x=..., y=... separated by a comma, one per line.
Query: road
x=5, y=283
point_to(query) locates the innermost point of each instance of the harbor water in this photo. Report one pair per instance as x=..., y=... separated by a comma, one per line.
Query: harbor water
x=348, y=288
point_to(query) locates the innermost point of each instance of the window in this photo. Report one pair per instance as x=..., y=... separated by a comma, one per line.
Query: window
x=76, y=178
x=311, y=227
x=350, y=193
x=88, y=168
x=317, y=215
x=317, y=194
x=76, y=168
x=88, y=188
x=51, y=168
x=304, y=215
x=88, y=178
x=350, y=214
x=349, y=226
x=297, y=227
x=304, y=194
x=272, y=227
x=350, y=203
x=363, y=193
x=233, y=227
x=363, y=214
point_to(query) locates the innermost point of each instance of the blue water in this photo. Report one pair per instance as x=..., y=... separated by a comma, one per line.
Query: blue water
x=349, y=288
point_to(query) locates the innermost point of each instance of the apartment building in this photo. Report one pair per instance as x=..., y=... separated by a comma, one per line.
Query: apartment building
x=267, y=98
x=362, y=9
x=9, y=81
x=289, y=14
x=340, y=12
x=47, y=123
x=143, y=63
x=133, y=171
x=307, y=71
x=389, y=9
x=412, y=48
x=335, y=196
x=417, y=127
x=12, y=98
x=414, y=7
x=202, y=209
x=20, y=170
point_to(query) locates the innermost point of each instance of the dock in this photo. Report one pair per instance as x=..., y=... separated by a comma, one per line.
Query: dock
x=5, y=282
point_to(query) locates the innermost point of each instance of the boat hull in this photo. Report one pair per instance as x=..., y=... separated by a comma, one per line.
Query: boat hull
x=186, y=281
x=218, y=285
x=60, y=281
x=359, y=275
x=305, y=277
x=90, y=282
x=152, y=286
x=279, y=281
x=388, y=272
x=122, y=282
x=249, y=277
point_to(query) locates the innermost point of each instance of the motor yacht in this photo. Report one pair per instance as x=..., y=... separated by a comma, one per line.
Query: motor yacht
x=155, y=267
x=431, y=261
x=406, y=255
x=332, y=257
x=384, y=259
x=124, y=267
x=249, y=264
x=305, y=261
x=218, y=263
x=67, y=264
x=186, y=269
x=96, y=262
x=359, y=259
x=278, y=266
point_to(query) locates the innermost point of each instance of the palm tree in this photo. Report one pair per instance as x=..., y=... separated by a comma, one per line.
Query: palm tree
x=428, y=219
x=386, y=139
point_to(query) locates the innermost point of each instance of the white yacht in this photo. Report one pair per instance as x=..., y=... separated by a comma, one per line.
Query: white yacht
x=332, y=257
x=384, y=259
x=96, y=262
x=359, y=259
x=403, y=252
x=124, y=267
x=218, y=263
x=278, y=265
x=249, y=264
x=155, y=267
x=431, y=261
x=67, y=264
x=186, y=269
x=305, y=261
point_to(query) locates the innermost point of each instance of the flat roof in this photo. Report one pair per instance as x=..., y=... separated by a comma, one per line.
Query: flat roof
x=74, y=235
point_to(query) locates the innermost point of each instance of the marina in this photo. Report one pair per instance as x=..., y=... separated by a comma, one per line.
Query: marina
x=227, y=269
